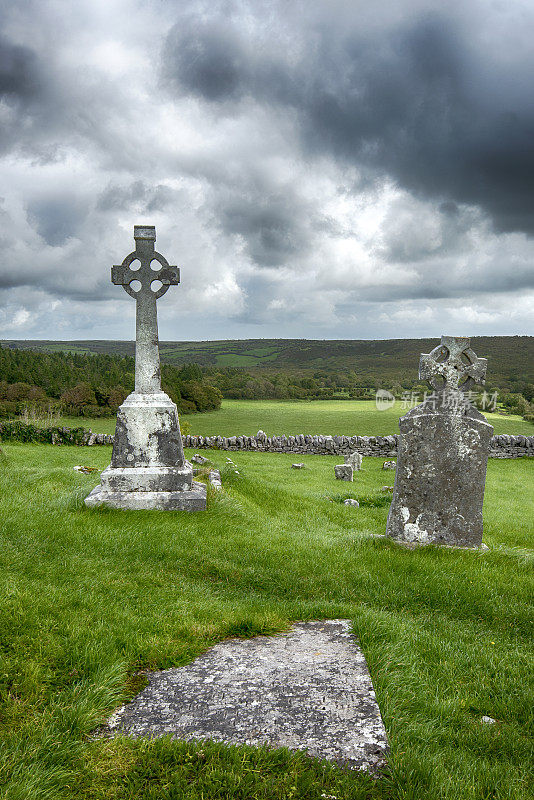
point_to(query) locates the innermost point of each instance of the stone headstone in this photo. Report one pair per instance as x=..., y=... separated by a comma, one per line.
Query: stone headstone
x=351, y=502
x=355, y=460
x=344, y=472
x=148, y=469
x=443, y=452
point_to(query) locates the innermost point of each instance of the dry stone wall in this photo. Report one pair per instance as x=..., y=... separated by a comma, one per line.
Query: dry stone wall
x=502, y=446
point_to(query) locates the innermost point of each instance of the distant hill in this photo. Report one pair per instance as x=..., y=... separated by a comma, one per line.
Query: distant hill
x=510, y=358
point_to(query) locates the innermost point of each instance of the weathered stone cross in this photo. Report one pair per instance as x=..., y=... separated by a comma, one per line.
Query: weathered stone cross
x=452, y=365
x=147, y=368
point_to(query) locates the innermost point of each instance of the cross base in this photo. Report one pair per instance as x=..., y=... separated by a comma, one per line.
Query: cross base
x=147, y=479
x=193, y=499
x=148, y=468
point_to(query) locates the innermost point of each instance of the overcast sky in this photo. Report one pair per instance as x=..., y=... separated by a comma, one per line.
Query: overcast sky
x=317, y=169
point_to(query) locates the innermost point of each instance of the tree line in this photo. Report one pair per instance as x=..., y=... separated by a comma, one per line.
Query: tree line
x=91, y=385
x=87, y=384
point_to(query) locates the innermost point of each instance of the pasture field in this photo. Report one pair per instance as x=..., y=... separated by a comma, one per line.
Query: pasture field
x=89, y=598
x=275, y=417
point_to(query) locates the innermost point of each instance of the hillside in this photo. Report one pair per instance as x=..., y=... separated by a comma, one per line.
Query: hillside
x=389, y=361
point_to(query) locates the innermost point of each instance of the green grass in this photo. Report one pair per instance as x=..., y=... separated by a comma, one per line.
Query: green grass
x=89, y=598
x=349, y=417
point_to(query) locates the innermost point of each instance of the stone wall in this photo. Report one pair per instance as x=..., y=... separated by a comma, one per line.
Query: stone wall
x=502, y=446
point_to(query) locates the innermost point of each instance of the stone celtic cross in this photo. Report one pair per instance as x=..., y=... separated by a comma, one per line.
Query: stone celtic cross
x=452, y=366
x=146, y=283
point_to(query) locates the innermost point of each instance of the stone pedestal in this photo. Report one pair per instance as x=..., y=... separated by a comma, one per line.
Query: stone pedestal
x=440, y=478
x=148, y=468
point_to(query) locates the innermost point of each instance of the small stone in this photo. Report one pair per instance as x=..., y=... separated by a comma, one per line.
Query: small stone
x=344, y=472
x=350, y=502
x=215, y=480
x=488, y=720
x=297, y=466
x=386, y=488
x=198, y=459
x=389, y=465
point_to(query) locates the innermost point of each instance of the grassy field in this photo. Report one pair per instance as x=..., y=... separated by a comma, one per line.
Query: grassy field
x=89, y=598
x=350, y=417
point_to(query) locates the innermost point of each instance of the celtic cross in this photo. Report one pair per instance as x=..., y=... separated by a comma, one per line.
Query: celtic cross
x=146, y=284
x=452, y=365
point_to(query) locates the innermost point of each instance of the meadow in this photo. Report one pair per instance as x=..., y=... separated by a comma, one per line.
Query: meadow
x=91, y=598
x=275, y=417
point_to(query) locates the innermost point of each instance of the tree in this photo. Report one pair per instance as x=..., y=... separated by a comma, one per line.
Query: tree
x=79, y=396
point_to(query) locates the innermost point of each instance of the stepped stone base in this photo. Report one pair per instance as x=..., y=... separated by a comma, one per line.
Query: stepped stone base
x=193, y=499
x=148, y=469
x=147, y=479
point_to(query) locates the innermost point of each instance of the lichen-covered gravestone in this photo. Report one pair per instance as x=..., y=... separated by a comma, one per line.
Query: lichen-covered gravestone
x=308, y=689
x=344, y=472
x=148, y=467
x=443, y=453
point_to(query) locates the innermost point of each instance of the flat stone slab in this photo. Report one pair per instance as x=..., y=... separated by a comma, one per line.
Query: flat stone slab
x=308, y=689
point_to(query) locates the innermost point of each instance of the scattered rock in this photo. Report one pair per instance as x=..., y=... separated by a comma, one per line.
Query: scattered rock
x=215, y=479
x=198, y=459
x=344, y=472
x=488, y=720
x=297, y=466
x=350, y=502
x=386, y=488
x=389, y=465
x=85, y=470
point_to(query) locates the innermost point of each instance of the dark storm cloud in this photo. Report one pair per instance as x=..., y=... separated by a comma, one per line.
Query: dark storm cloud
x=21, y=86
x=305, y=162
x=19, y=71
x=57, y=218
x=412, y=100
x=275, y=227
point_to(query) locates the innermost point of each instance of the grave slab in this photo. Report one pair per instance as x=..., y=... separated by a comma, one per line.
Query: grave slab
x=307, y=689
